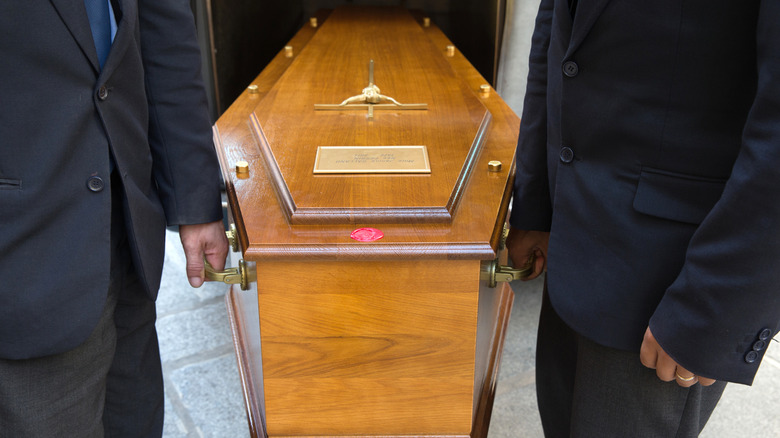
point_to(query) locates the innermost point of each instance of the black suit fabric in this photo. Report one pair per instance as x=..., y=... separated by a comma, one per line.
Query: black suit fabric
x=62, y=122
x=648, y=147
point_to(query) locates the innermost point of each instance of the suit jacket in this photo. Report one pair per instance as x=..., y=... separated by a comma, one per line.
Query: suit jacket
x=649, y=148
x=61, y=119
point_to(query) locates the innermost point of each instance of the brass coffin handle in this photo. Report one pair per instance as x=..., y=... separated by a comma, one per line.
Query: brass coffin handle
x=494, y=272
x=241, y=275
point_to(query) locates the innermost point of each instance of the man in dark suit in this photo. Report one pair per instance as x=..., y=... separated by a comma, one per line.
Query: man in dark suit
x=104, y=138
x=647, y=186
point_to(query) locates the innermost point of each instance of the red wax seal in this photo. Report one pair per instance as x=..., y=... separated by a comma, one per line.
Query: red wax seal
x=367, y=234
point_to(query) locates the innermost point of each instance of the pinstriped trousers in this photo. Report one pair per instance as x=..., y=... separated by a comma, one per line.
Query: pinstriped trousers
x=586, y=390
x=109, y=386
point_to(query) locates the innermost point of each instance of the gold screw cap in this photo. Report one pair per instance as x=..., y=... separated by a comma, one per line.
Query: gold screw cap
x=494, y=166
x=242, y=167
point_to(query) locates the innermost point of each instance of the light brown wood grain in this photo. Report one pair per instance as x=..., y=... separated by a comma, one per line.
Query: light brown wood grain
x=360, y=348
x=494, y=311
x=333, y=67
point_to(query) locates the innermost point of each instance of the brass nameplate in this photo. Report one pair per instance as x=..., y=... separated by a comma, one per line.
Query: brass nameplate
x=372, y=159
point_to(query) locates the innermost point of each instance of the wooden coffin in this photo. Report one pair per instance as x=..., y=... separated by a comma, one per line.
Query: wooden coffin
x=369, y=316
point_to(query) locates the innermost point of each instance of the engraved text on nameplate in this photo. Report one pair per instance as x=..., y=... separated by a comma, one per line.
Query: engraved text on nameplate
x=372, y=159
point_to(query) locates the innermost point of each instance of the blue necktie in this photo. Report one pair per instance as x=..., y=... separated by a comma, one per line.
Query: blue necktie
x=100, y=23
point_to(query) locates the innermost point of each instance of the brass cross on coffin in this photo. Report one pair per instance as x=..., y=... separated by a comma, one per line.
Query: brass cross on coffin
x=372, y=99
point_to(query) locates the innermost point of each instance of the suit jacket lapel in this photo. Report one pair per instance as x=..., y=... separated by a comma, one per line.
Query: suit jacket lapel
x=74, y=15
x=124, y=32
x=587, y=13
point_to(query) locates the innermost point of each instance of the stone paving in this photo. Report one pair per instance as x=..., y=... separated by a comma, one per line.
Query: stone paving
x=204, y=397
x=202, y=385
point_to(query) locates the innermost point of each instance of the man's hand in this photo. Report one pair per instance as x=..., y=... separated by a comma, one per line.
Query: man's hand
x=654, y=357
x=203, y=240
x=523, y=244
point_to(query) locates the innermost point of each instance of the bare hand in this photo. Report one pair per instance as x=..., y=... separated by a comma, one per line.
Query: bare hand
x=203, y=240
x=654, y=357
x=523, y=244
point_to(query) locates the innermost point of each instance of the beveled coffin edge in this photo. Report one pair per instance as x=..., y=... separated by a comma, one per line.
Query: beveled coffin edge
x=259, y=87
x=349, y=215
x=501, y=311
x=379, y=250
x=253, y=398
x=371, y=251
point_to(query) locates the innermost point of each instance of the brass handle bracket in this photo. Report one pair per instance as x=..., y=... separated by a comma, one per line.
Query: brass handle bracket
x=242, y=275
x=494, y=273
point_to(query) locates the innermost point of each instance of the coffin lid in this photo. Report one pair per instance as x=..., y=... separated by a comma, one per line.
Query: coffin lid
x=331, y=64
x=335, y=66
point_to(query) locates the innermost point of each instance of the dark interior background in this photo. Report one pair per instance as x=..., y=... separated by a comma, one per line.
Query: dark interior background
x=238, y=38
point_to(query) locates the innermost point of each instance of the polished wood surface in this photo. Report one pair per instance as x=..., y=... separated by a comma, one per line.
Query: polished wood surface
x=368, y=346
x=407, y=67
x=392, y=338
x=494, y=312
x=495, y=308
x=268, y=231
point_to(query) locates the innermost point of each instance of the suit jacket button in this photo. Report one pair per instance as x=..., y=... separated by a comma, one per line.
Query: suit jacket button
x=567, y=155
x=102, y=93
x=751, y=357
x=759, y=345
x=95, y=184
x=570, y=69
x=765, y=334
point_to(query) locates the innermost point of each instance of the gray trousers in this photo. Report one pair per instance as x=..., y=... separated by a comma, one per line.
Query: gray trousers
x=587, y=390
x=111, y=385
